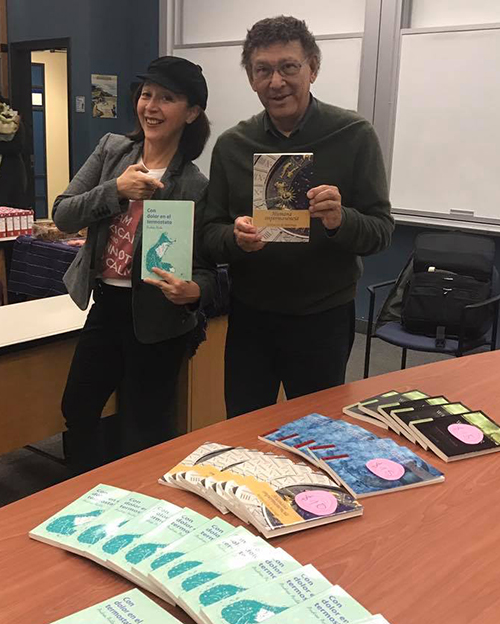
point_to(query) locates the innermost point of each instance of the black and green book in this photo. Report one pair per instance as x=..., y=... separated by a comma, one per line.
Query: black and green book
x=459, y=436
x=408, y=414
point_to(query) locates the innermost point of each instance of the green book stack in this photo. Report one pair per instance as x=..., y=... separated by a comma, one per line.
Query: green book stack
x=167, y=553
x=200, y=605
x=60, y=529
x=131, y=607
x=196, y=585
x=90, y=541
x=147, y=545
x=264, y=601
x=333, y=606
x=170, y=578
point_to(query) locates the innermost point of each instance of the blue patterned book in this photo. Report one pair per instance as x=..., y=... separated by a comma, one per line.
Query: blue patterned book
x=374, y=467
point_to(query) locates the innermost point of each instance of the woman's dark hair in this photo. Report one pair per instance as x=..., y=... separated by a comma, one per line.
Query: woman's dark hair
x=193, y=139
x=280, y=29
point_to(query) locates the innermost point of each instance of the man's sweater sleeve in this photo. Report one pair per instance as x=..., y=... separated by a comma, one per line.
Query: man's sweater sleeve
x=367, y=225
x=218, y=232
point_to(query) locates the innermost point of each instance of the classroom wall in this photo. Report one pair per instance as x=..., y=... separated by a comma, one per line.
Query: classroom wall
x=121, y=37
x=107, y=37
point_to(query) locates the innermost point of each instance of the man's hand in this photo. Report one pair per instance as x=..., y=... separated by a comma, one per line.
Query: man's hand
x=176, y=290
x=246, y=235
x=134, y=183
x=326, y=204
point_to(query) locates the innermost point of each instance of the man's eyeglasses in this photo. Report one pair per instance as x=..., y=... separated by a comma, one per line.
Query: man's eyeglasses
x=263, y=71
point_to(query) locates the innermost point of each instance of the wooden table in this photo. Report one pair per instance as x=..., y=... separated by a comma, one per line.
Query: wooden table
x=428, y=555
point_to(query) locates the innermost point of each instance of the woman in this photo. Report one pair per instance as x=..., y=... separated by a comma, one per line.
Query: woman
x=136, y=333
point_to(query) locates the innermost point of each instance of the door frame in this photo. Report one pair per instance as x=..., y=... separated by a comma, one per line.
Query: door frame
x=20, y=91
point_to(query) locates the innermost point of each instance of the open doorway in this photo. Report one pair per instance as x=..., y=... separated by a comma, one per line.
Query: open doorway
x=40, y=87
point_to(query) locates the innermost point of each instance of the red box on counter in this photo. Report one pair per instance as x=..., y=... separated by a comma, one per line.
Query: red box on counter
x=15, y=221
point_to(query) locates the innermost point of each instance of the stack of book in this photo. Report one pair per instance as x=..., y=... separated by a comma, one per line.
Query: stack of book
x=273, y=493
x=449, y=429
x=127, y=608
x=217, y=573
x=356, y=459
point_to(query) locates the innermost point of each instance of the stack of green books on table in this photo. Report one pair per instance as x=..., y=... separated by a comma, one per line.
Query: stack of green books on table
x=131, y=607
x=216, y=572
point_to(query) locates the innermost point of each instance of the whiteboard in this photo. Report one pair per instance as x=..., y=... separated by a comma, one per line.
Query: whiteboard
x=205, y=21
x=231, y=98
x=428, y=13
x=447, y=131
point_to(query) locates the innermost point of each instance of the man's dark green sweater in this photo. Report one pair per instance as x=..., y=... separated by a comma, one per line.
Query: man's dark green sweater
x=305, y=278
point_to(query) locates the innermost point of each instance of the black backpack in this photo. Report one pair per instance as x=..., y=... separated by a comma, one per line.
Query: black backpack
x=450, y=270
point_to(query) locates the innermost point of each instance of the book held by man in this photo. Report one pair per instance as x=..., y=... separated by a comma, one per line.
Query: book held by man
x=167, y=238
x=280, y=202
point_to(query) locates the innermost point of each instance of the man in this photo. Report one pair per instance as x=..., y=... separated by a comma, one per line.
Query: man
x=292, y=310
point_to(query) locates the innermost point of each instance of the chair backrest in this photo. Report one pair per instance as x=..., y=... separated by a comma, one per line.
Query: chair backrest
x=456, y=250
x=451, y=270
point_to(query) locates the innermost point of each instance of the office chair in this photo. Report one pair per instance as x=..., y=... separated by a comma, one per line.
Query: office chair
x=388, y=326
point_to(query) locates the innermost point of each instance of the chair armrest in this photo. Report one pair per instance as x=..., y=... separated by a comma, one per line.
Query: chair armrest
x=480, y=304
x=474, y=306
x=372, y=287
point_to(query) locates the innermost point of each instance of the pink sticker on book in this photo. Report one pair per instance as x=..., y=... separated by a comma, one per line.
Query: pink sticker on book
x=386, y=469
x=468, y=434
x=318, y=502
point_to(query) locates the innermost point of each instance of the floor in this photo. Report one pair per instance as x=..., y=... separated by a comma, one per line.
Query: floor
x=23, y=472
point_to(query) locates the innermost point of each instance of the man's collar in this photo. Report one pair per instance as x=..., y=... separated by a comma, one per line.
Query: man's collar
x=271, y=128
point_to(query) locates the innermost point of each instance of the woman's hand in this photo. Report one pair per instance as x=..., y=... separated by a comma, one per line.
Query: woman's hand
x=176, y=290
x=134, y=183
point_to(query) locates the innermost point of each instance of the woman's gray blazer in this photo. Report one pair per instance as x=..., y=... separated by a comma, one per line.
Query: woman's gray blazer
x=91, y=200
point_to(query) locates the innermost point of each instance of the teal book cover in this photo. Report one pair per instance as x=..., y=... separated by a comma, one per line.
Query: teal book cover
x=195, y=584
x=229, y=584
x=117, y=545
x=131, y=607
x=267, y=600
x=169, y=578
x=90, y=541
x=149, y=543
x=167, y=238
x=60, y=529
x=166, y=553
x=334, y=606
